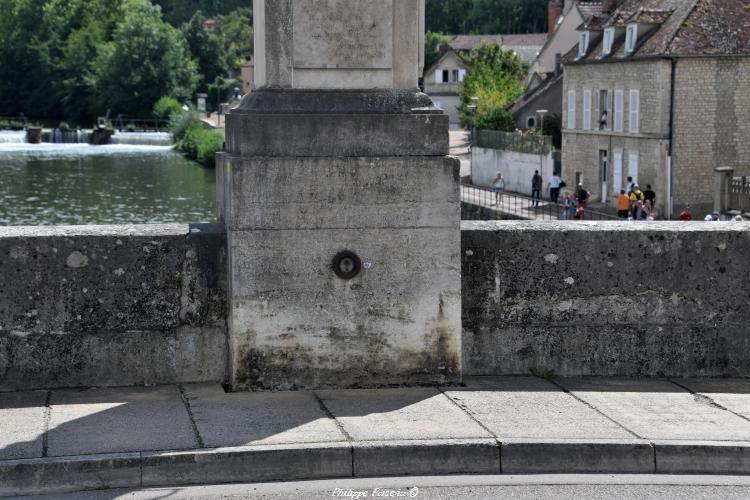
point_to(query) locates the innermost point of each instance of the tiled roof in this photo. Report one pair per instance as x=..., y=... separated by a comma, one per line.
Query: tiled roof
x=590, y=9
x=471, y=42
x=526, y=46
x=683, y=27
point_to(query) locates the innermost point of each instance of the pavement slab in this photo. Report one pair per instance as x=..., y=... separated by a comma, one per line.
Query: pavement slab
x=400, y=414
x=659, y=409
x=243, y=419
x=22, y=421
x=118, y=420
x=529, y=407
x=732, y=394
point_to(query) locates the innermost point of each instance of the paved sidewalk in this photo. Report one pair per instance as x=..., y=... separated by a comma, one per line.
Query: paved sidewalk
x=68, y=440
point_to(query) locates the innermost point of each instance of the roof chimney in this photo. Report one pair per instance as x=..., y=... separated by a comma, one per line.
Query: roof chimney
x=555, y=11
x=609, y=6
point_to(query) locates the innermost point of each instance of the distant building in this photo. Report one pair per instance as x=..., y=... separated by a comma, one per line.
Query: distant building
x=545, y=82
x=657, y=90
x=442, y=79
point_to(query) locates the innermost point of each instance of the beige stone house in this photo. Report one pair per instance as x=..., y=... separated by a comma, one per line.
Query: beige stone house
x=658, y=90
x=442, y=79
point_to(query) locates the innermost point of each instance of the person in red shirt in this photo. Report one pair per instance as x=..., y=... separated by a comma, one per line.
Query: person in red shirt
x=686, y=214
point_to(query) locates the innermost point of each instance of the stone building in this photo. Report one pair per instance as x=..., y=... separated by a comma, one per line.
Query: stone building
x=657, y=90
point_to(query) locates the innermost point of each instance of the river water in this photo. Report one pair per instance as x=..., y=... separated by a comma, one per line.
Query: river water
x=74, y=184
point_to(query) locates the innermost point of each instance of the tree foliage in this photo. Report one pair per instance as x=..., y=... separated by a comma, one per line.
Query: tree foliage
x=496, y=80
x=432, y=47
x=487, y=16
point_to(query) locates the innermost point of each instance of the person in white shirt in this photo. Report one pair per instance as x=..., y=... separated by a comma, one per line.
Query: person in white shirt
x=554, y=183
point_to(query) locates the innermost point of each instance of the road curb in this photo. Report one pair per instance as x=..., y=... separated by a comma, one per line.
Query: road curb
x=370, y=459
x=534, y=456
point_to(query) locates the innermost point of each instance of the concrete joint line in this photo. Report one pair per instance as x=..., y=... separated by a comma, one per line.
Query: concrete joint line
x=468, y=413
x=46, y=421
x=597, y=410
x=186, y=401
x=339, y=425
x=709, y=400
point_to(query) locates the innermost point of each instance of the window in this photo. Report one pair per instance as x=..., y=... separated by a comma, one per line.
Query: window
x=454, y=76
x=446, y=76
x=571, y=109
x=587, y=109
x=619, y=105
x=583, y=44
x=609, y=39
x=635, y=111
x=439, y=76
x=605, y=110
x=631, y=38
x=633, y=166
x=617, y=174
x=461, y=75
x=531, y=122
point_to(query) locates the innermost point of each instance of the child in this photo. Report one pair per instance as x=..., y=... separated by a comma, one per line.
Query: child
x=498, y=186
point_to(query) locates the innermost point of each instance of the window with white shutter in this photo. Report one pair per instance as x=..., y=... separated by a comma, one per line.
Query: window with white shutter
x=571, y=109
x=461, y=75
x=619, y=105
x=439, y=76
x=617, y=175
x=609, y=38
x=587, y=109
x=634, y=118
x=633, y=166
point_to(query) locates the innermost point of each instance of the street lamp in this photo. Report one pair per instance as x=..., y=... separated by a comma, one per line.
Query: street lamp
x=473, y=111
x=541, y=113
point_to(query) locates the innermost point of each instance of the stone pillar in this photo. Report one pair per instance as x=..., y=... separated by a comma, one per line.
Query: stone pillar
x=337, y=151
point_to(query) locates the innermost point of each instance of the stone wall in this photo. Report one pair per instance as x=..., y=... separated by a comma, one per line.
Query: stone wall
x=112, y=305
x=712, y=103
x=612, y=299
x=517, y=169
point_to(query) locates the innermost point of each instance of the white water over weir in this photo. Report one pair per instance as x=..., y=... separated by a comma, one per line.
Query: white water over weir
x=7, y=137
x=69, y=137
x=142, y=138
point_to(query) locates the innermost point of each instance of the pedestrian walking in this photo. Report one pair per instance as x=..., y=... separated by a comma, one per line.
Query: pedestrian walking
x=554, y=184
x=631, y=186
x=498, y=186
x=623, y=205
x=649, y=195
x=686, y=215
x=536, y=188
x=582, y=197
x=635, y=197
x=570, y=206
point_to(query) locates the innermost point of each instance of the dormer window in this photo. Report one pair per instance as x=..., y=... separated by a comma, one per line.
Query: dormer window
x=609, y=39
x=583, y=44
x=631, y=38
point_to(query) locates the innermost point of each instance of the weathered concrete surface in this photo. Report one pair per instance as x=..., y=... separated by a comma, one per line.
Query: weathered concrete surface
x=400, y=414
x=338, y=43
x=23, y=420
x=525, y=407
x=112, y=305
x=242, y=419
x=89, y=422
x=707, y=457
x=612, y=299
x=659, y=409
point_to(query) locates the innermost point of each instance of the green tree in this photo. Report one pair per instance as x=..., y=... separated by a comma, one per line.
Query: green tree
x=432, y=46
x=206, y=48
x=496, y=80
x=145, y=60
x=448, y=16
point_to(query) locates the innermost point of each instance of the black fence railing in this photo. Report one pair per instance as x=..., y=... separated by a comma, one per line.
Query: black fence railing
x=128, y=124
x=511, y=141
x=739, y=194
x=516, y=206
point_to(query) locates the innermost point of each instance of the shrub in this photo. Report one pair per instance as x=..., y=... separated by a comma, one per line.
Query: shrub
x=179, y=124
x=63, y=127
x=497, y=119
x=191, y=140
x=130, y=127
x=11, y=125
x=211, y=143
x=166, y=107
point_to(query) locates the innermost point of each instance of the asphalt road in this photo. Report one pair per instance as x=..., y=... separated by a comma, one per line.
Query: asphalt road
x=620, y=487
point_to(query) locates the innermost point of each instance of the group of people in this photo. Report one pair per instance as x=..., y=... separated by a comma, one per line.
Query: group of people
x=635, y=204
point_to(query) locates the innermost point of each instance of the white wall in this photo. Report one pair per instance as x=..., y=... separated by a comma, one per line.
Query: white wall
x=517, y=168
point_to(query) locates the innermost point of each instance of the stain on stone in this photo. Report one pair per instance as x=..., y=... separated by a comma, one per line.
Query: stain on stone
x=77, y=260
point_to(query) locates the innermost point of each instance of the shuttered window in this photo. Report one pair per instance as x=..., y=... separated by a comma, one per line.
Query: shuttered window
x=634, y=124
x=571, y=109
x=633, y=166
x=587, y=109
x=619, y=105
x=617, y=175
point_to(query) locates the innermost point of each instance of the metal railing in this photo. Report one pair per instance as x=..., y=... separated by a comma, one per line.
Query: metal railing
x=739, y=194
x=516, y=206
x=128, y=124
x=511, y=141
